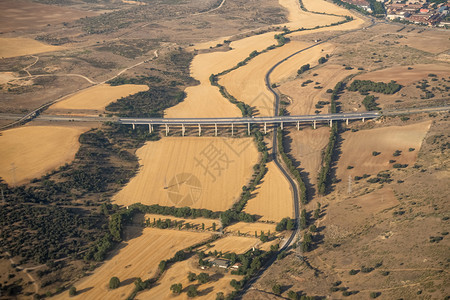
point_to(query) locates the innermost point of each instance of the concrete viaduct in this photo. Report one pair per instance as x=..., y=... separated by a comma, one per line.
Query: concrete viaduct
x=265, y=121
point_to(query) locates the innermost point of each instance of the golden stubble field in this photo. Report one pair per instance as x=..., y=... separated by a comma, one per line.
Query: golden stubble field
x=200, y=172
x=97, y=97
x=29, y=152
x=19, y=46
x=357, y=148
x=196, y=223
x=178, y=273
x=273, y=198
x=205, y=100
x=138, y=257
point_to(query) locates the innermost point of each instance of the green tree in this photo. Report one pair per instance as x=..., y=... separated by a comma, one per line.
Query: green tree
x=176, y=288
x=72, y=291
x=162, y=265
x=292, y=295
x=203, y=278
x=114, y=283
x=220, y=296
x=214, y=226
x=192, y=276
x=192, y=291
x=139, y=284
x=276, y=288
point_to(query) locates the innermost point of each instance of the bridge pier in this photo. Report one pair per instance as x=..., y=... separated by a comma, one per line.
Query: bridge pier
x=248, y=128
x=298, y=125
x=232, y=129
x=314, y=124
x=363, y=120
x=183, y=129
x=265, y=127
x=150, y=128
x=134, y=126
x=167, y=129
x=331, y=123
x=281, y=125
x=346, y=122
x=215, y=127
x=199, y=130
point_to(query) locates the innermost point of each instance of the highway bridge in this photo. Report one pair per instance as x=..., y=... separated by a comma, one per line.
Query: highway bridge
x=276, y=120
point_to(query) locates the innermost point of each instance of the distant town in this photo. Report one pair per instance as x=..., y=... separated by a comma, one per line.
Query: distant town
x=421, y=12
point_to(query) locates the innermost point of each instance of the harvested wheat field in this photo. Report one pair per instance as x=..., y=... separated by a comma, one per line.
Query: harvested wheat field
x=97, y=97
x=250, y=228
x=31, y=151
x=299, y=18
x=200, y=172
x=195, y=223
x=236, y=244
x=306, y=147
x=139, y=257
x=247, y=83
x=273, y=199
x=178, y=273
x=432, y=41
x=403, y=76
x=304, y=98
x=11, y=47
x=205, y=100
x=357, y=148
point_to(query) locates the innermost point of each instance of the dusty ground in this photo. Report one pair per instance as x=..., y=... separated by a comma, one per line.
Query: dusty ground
x=31, y=151
x=96, y=98
x=305, y=147
x=236, y=244
x=273, y=199
x=203, y=172
x=26, y=15
x=304, y=98
x=178, y=274
x=11, y=47
x=139, y=256
x=403, y=76
x=357, y=148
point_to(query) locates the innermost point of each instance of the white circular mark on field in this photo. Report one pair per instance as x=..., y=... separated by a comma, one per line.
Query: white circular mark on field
x=184, y=189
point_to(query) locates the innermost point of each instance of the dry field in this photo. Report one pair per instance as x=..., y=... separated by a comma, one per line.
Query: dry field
x=11, y=47
x=196, y=223
x=273, y=199
x=432, y=41
x=403, y=76
x=299, y=18
x=247, y=83
x=200, y=172
x=138, y=257
x=220, y=282
x=97, y=97
x=250, y=228
x=305, y=98
x=31, y=151
x=205, y=100
x=306, y=147
x=21, y=15
x=357, y=148
x=236, y=244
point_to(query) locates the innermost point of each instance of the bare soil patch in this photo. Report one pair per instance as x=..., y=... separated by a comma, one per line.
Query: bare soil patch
x=190, y=171
x=406, y=75
x=31, y=151
x=194, y=223
x=358, y=147
x=273, y=186
x=304, y=98
x=137, y=257
x=26, y=15
x=251, y=228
